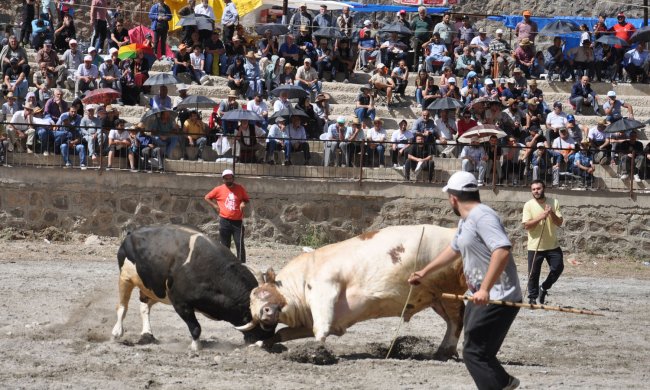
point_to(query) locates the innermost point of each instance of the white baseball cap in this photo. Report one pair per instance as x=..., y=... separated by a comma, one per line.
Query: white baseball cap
x=91, y=49
x=611, y=93
x=488, y=81
x=461, y=181
x=451, y=80
x=227, y=172
x=112, y=50
x=340, y=119
x=88, y=58
x=499, y=31
x=366, y=22
x=541, y=145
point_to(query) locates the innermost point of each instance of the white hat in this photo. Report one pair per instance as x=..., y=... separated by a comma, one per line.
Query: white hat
x=182, y=87
x=112, y=50
x=499, y=31
x=366, y=22
x=307, y=60
x=380, y=66
x=88, y=58
x=502, y=80
x=340, y=119
x=611, y=94
x=91, y=107
x=451, y=80
x=488, y=81
x=92, y=49
x=72, y=42
x=541, y=145
x=461, y=181
x=227, y=172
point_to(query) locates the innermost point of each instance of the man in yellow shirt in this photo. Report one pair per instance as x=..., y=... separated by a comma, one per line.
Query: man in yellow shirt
x=541, y=217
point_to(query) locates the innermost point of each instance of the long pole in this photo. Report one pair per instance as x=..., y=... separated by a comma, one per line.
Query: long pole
x=525, y=305
x=645, y=12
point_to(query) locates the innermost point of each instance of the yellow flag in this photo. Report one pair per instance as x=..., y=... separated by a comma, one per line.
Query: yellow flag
x=217, y=7
x=246, y=6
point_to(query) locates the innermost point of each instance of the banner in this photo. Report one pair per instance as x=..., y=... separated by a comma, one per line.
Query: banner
x=246, y=6
x=176, y=5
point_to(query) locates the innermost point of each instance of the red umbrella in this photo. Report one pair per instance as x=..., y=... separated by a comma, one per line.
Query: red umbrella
x=100, y=96
x=137, y=35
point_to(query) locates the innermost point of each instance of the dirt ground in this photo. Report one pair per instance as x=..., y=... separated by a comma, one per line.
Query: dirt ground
x=58, y=309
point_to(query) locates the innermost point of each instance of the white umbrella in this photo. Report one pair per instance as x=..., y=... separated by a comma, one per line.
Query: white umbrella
x=483, y=132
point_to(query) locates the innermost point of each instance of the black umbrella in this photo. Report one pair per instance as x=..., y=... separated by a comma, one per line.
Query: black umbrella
x=329, y=33
x=641, y=35
x=149, y=117
x=294, y=91
x=197, y=101
x=242, y=115
x=559, y=27
x=398, y=28
x=624, y=124
x=288, y=112
x=611, y=39
x=201, y=22
x=445, y=103
x=276, y=29
x=162, y=79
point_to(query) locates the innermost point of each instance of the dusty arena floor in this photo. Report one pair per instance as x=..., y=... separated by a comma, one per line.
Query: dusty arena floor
x=58, y=309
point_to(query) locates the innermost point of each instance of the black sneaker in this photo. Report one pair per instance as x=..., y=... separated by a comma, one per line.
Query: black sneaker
x=542, y=295
x=532, y=301
x=513, y=383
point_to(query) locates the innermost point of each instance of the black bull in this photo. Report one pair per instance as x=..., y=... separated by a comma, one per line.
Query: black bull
x=181, y=266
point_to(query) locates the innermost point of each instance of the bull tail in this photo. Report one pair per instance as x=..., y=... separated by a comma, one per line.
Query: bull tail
x=122, y=252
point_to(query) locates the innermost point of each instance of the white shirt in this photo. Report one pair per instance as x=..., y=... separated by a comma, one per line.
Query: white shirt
x=196, y=60
x=82, y=71
x=204, y=10
x=556, y=120
x=257, y=108
x=402, y=138
x=276, y=133
x=443, y=129
x=483, y=44
x=377, y=135
x=279, y=105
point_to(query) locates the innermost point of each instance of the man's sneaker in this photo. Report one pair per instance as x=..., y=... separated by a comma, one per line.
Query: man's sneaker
x=345, y=81
x=10, y=147
x=637, y=179
x=199, y=160
x=83, y=167
x=480, y=184
x=513, y=383
x=624, y=176
x=46, y=153
x=542, y=295
x=134, y=171
x=532, y=301
x=108, y=168
x=68, y=165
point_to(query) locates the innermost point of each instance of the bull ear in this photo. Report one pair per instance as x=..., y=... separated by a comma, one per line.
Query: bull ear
x=269, y=276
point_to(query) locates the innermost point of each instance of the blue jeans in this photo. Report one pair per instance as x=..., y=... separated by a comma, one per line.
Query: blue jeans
x=380, y=149
x=419, y=96
x=316, y=88
x=304, y=146
x=254, y=86
x=78, y=149
x=363, y=113
x=169, y=143
x=20, y=89
x=45, y=137
x=209, y=63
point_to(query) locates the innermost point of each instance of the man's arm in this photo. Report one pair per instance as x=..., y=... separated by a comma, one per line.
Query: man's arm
x=446, y=257
x=498, y=261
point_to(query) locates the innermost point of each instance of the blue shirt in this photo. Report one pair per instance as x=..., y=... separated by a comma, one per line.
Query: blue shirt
x=160, y=10
x=288, y=50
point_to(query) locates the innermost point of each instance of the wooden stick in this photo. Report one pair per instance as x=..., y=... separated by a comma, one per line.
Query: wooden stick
x=525, y=305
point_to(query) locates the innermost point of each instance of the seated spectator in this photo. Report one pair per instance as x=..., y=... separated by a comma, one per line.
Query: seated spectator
x=524, y=56
x=365, y=104
x=355, y=137
x=197, y=64
x=465, y=122
x=182, y=63
x=162, y=99
x=451, y=90
x=15, y=80
x=420, y=87
x=288, y=76
x=394, y=50
x=546, y=162
x=151, y=157
x=512, y=167
x=576, y=131
x=268, y=45
x=503, y=90
x=307, y=78
x=253, y=75
x=470, y=90
x=466, y=62
x=236, y=75
x=583, y=164
x=445, y=132
x=195, y=133
x=275, y=139
x=19, y=130
x=165, y=126
x=259, y=106
x=14, y=50
x=474, y=159
x=109, y=75
x=119, y=142
x=480, y=46
x=488, y=90
x=438, y=52
x=382, y=83
x=119, y=35
x=96, y=58
x=311, y=123
x=325, y=60
x=345, y=59
x=215, y=54
x=367, y=46
x=431, y=92
x=290, y=51
x=250, y=142
x=9, y=108
x=41, y=31
x=56, y=106
x=44, y=130
x=612, y=108
x=64, y=34
x=43, y=78
x=607, y=64
x=52, y=62
x=87, y=76
x=635, y=63
x=583, y=94
x=228, y=104
x=418, y=157
x=632, y=157
x=71, y=140
x=376, y=139
x=400, y=76
x=426, y=126
x=322, y=111
x=501, y=48
x=555, y=120
x=335, y=139
x=90, y=127
x=296, y=141
x=600, y=143
x=72, y=58
x=582, y=60
x=565, y=146
x=518, y=84
x=400, y=140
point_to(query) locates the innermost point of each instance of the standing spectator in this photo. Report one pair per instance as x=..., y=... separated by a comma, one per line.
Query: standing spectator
x=301, y=18
x=474, y=158
x=422, y=27
x=345, y=22
x=600, y=27
x=184, y=12
x=446, y=30
x=115, y=14
x=490, y=270
x=206, y=10
x=253, y=75
x=466, y=32
x=632, y=158
x=541, y=218
x=322, y=20
x=229, y=18
x=28, y=14
x=636, y=65
x=99, y=21
x=623, y=30
x=160, y=14
x=582, y=94
x=229, y=200
x=526, y=29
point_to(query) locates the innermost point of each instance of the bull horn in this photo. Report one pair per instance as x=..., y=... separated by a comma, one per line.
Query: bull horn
x=247, y=327
x=256, y=273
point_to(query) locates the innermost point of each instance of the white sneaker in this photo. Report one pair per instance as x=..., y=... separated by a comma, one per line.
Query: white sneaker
x=10, y=147
x=637, y=179
x=199, y=160
x=382, y=166
x=68, y=165
x=46, y=153
x=134, y=171
x=480, y=184
x=83, y=167
x=624, y=176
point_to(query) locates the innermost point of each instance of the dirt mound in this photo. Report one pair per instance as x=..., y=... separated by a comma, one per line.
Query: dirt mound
x=406, y=347
x=312, y=353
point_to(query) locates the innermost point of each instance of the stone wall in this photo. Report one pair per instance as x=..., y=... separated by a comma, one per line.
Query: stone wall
x=298, y=211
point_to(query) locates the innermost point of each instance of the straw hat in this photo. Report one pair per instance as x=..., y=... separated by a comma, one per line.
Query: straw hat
x=251, y=55
x=525, y=42
x=323, y=96
x=233, y=93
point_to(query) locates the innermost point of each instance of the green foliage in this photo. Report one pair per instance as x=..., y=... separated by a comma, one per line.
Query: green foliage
x=313, y=236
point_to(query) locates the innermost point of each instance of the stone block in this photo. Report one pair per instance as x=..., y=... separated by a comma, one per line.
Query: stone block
x=50, y=217
x=128, y=205
x=180, y=205
x=317, y=213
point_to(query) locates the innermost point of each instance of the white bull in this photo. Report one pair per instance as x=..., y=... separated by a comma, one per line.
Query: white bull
x=326, y=291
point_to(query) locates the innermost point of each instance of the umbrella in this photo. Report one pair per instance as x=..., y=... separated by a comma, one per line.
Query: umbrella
x=484, y=132
x=398, y=28
x=559, y=27
x=201, y=22
x=294, y=91
x=610, y=39
x=624, y=124
x=149, y=117
x=276, y=29
x=287, y=113
x=100, y=96
x=138, y=35
x=482, y=100
x=241, y=115
x=445, y=103
x=197, y=101
x=329, y=33
x=641, y=35
x=130, y=51
x=162, y=79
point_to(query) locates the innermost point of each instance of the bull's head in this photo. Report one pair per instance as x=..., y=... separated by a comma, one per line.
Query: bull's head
x=266, y=303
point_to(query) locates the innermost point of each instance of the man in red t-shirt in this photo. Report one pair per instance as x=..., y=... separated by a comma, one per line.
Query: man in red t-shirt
x=229, y=200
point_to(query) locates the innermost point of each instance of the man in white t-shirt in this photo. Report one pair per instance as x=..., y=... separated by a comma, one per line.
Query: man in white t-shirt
x=555, y=121
x=119, y=141
x=259, y=106
x=400, y=140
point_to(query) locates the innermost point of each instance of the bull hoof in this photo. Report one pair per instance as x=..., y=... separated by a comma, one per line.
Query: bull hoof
x=147, y=338
x=195, y=346
x=444, y=354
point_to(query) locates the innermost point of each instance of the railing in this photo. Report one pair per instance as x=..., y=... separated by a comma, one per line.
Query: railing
x=514, y=168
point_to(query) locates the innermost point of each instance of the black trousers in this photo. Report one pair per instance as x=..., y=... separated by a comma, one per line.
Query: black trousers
x=160, y=36
x=555, y=260
x=229, y=229
x=485, y=329
x=101, y=31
